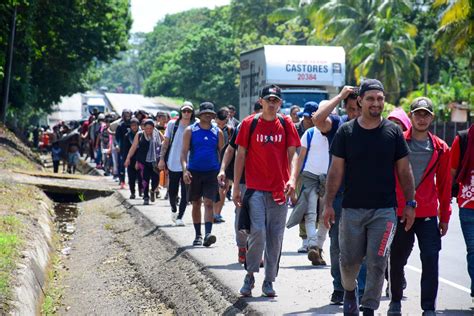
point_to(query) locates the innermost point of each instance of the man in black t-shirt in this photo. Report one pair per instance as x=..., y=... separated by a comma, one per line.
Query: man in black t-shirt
x=366, y=153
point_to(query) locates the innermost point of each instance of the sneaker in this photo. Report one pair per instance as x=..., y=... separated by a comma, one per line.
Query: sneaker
x=140, y=193
x=152, y=196
x=267, y=289
x=174, y=217
x=218, y=219
x=323, y=262
x=351, y=306
x=242, y=255
x=132, y=196
x=249, y=284
x=314, y=256
x=158, y=194
x=209, y=239
x=166, y=196
x=395, y=309
x=146, y=201
x=197, y=241
x=179, y=222
x=337, y=298
x=304, y=247
x=122, y=185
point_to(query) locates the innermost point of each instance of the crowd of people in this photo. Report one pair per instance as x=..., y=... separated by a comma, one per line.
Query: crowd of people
x=372, y=184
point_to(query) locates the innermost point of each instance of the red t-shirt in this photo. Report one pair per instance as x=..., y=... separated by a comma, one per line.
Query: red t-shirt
x=266, y=164
x=466, y=192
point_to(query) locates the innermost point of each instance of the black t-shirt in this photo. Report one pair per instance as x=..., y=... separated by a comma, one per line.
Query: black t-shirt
x=370, y=157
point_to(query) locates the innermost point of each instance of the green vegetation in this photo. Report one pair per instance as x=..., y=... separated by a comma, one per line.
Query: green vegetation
x=57, y=47
x=10, y=243
x=405, y=44
x=13, y=160
x=54, y=289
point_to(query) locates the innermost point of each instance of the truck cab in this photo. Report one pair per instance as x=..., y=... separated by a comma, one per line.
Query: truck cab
x=304, y=73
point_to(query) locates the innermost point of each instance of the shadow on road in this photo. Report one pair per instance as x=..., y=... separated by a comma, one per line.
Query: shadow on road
x=230, y=266
x=323, y=310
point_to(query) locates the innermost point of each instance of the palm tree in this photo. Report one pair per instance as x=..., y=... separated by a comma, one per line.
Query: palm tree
x=456, y=26
x=387, y=53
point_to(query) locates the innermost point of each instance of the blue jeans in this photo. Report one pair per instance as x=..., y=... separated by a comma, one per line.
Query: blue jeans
x=466, y=216
x=334, y=252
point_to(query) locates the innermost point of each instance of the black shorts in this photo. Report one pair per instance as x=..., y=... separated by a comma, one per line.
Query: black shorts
x=204, y=184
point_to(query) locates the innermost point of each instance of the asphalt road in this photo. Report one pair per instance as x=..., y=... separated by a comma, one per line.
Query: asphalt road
x=302, y=288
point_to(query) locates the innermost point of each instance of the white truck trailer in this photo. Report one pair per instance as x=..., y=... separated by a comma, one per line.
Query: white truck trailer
x=304, y=73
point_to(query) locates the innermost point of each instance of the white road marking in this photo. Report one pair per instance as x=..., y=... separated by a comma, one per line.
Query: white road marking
x=455, y=285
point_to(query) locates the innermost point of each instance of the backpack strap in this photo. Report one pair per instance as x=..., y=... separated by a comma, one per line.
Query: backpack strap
x=173, y=132
x=309, y=138
x=253, y=125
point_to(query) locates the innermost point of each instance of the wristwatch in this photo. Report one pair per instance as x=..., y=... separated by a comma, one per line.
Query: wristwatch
x=411, y=203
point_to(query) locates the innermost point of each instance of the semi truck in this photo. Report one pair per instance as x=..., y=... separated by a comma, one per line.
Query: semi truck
x=304, y=73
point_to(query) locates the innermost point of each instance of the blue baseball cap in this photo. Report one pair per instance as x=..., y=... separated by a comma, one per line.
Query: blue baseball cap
x=309, y=108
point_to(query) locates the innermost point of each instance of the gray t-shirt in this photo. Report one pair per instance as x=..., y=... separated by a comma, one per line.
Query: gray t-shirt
x=174, y=162
x=420, y=156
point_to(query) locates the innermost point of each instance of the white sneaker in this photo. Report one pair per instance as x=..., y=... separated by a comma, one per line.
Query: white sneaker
x=179, y=222
x=304, y=246
x=174, y=216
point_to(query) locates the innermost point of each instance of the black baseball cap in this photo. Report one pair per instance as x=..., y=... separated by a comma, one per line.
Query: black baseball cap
x=206, y=107
x=422, y=103
x=271, y=91
x=370, y=84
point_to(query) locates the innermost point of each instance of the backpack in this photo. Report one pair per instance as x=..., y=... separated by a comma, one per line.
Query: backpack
x=462, y=147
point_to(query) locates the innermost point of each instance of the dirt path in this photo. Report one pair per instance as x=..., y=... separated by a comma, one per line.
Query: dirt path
x=119, y=265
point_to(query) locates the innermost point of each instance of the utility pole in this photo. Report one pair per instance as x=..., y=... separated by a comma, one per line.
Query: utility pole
x=6, y=79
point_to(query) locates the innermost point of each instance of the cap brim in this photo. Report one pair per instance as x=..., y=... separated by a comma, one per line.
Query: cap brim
x=184, y=107
x=271, y=96
x=206, y=111
x=422, y=108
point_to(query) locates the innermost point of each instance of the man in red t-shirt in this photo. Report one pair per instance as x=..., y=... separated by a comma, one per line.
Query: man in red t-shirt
x=267, y=143
x=462, y=169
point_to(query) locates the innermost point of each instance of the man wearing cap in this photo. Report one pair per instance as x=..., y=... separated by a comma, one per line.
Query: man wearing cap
x=430, y=161
x=311, y=168
x=301, y=127
x=170, y=157
x=232, y=120
x=203, y=141
x=120, y=131
x=265, y=140
x=328, y=124
x=367, y=153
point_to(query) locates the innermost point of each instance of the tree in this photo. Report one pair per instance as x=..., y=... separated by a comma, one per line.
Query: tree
x=57, y=44
x=387, y=53
x=204, y=67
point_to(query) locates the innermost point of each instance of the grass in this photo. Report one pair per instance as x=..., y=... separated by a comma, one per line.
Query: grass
x=16, y=197
x=10, y=243
x=169, y=101
x=54, y=291
x=114, y=215
x=10, y=159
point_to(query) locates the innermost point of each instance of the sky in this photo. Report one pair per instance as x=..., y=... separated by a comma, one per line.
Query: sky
x=146, y=13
